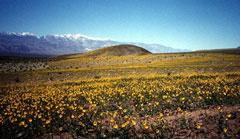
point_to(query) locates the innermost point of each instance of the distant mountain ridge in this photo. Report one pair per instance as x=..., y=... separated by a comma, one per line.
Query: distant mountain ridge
x=28, y=43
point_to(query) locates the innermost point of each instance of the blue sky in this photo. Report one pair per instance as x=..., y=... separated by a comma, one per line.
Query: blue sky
x=186, y=24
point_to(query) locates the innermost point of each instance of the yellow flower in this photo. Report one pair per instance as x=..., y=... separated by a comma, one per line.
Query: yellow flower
x=111, y=120
x=48, y=121
x=124, y=124
x=225, y=130
x=133, y=122
x=146, y=126
x=182, y=99
x=164, y=96
x=160, y=115
x=30, y=120
x=94, y=123
x=198, y=125
x=115, y=126
x=22, y=123
x=229, y=116
x=179, y=109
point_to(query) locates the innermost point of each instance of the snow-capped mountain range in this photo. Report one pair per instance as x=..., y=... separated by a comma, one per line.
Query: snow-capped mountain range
x=31, y=44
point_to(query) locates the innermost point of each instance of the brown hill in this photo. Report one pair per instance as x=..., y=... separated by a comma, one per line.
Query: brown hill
x=118, y=50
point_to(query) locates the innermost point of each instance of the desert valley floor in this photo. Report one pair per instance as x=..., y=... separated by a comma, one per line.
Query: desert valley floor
x=109, y=95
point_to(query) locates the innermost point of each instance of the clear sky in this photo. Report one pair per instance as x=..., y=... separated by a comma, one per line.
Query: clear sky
x=186, y=24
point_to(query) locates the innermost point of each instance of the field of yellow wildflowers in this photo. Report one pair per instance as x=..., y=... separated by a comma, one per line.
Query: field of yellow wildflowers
x=191, y=95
